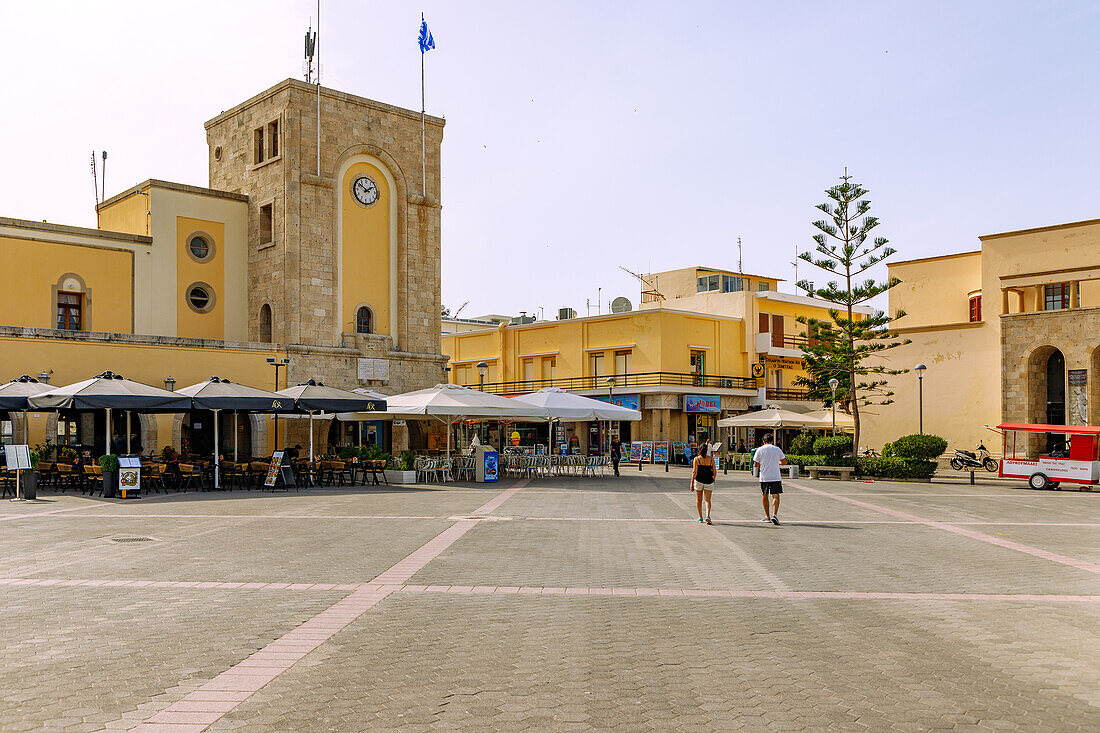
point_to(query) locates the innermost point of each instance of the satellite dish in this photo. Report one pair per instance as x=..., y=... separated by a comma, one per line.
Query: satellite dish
x=621, y=305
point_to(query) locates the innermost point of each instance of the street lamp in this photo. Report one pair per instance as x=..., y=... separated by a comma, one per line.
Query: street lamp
x=482, y=367
x=277, y=363
x=610, y=396
x=920, y=381
x=170, y=384
x=833, y=384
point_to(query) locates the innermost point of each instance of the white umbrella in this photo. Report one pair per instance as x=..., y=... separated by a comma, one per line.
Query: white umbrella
x=451, y=402
x=772, y=417
x=844, y=421
x=569, y=406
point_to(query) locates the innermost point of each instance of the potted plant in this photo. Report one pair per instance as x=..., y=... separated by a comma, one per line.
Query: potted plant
x=28, y=482
x=109, y=464
x=402, y=471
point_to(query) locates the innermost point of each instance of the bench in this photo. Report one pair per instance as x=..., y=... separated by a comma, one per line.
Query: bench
x=791, y=469
x=844, y=473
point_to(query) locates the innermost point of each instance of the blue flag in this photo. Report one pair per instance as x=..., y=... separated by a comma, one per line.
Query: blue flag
x=427, y=43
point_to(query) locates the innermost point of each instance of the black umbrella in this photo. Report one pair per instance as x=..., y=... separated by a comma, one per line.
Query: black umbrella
x=108, y=391
x=314, y=396
x=220, y=394
x=14, y=395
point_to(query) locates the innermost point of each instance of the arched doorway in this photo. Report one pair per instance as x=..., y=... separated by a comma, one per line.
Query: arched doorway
x=1046, y=394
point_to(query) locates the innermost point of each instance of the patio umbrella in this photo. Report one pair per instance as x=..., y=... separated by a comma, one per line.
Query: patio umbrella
x=378, y=398
x=313, y=396
x=14, y=395
x=109, y=391
x=451, y=402
x=844, y=421
x=773, y=417
x=220, y=394
x=574, y=407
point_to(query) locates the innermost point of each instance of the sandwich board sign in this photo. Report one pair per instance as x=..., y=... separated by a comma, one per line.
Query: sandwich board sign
x=129, y=475
x=18, y=459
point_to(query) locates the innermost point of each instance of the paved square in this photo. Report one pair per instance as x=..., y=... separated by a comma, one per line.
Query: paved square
x=554, y=604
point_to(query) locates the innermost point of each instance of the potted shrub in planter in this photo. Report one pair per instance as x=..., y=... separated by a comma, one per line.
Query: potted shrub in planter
x=28, y=482
x=402, y=471
x=109, y=464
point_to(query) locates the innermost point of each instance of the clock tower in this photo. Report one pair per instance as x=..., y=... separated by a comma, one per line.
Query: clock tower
x=344, y=239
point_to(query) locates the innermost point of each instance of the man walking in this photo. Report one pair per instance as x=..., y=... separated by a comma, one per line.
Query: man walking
x=767, y=459
x=616, y=453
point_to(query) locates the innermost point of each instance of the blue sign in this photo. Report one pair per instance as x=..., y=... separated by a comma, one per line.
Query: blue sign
x=702, y=403
x=629, y=401
x=491, y=466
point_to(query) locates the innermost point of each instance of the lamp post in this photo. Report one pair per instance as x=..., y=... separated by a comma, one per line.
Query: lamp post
x=170, y=384
x=482, y=367
x=833, y=384
x=610, y=396
x=920, y=381
x=278, y=363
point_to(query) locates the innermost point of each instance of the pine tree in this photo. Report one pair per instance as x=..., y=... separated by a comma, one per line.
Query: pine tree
x=849, y=341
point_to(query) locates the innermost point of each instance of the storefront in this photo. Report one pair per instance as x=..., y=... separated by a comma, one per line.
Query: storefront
x=702, y=413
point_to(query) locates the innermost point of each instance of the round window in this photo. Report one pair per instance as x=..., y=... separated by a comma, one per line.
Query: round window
x=200, y=297
x=200, y=248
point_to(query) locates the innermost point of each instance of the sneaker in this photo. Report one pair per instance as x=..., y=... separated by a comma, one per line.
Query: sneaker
x=766, y=519
x=775, y=519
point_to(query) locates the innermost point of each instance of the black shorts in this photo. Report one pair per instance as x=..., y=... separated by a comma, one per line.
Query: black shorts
x=771, y=487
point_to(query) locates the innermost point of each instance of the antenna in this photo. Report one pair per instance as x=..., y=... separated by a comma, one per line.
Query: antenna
x=103, y=176
x=310, y=50
x=648, y=288
x=599, y=302
x=460, y=309
x=740, y=270
x=795, y=263
x=95, y=180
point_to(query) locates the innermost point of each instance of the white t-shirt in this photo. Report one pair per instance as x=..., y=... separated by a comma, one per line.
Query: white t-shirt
x=769, y=456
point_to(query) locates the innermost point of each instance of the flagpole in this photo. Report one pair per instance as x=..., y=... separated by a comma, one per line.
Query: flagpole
x=423, y=154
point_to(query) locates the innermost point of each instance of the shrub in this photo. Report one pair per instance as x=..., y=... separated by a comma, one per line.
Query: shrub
x=405, y=462
x=895, y=467
x=35, y=458
x=888, y=450
x=835, y=446
x=348, y=451
x=803, y=445
x=108, y=462
x=817, y=460
x=45, y=450
x=919, y=447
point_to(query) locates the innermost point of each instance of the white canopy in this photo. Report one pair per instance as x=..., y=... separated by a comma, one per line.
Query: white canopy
x=568, y=406
x=844, y=421
x=772, y=417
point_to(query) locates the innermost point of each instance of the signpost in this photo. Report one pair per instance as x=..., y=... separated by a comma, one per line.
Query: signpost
x=18, y=459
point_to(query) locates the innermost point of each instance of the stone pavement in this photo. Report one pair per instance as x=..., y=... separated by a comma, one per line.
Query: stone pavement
x=554, y=604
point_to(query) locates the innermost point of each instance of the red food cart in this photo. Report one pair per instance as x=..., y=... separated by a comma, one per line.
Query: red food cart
x=1080, y=464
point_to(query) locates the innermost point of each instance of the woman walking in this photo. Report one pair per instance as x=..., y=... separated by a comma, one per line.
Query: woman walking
x=702, y=479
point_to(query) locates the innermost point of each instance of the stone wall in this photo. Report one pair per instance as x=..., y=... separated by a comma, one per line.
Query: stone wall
x=1027, y=340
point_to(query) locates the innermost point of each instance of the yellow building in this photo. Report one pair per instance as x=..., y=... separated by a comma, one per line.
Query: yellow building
x=706, y=343
x=327, y=257
x=1008, y=333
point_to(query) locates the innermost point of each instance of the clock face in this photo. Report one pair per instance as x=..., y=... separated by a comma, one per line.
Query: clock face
x=364, y=190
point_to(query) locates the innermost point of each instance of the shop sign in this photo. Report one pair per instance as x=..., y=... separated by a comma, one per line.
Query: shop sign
x=784, y=362
x=629, y=401
x=702, y=403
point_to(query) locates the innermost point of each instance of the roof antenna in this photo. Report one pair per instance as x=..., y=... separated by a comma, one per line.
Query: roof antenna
x=310, y=50
x=740, y=271
x=95, y=183
x=103, y=176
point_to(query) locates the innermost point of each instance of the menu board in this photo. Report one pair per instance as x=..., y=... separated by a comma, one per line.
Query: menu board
x=647, y=451
x=635, y=451
x=17, y=457
x=679, y=449
x=273, y=469
x=129, y=474
x=660, y=451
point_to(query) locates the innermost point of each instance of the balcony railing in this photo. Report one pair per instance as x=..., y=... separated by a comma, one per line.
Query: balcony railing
x=622, y=382
x=780, y=393
x=780, y=341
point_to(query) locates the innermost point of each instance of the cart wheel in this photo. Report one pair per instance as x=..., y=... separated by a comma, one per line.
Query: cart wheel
x=1038, y=481
x=956, y=464
x=991, y=465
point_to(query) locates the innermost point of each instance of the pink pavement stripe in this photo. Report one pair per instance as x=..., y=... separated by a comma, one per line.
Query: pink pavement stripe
x=258, y=669
x=999, y=542
x=491, y=505
x=11, y=517
x=225, y=516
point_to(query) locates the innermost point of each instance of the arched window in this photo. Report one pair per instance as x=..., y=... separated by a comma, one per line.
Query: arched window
x=265, y=323
x=364, y=320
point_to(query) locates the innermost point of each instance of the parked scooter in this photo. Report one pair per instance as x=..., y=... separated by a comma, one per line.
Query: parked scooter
x=965, y=460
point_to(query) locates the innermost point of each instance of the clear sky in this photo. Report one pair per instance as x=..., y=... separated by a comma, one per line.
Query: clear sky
x=586, y=135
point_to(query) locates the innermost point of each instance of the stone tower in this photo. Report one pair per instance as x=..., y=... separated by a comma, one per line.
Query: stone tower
x=329, y=268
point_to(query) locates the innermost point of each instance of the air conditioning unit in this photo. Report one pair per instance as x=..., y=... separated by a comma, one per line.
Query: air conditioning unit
x=564, y=314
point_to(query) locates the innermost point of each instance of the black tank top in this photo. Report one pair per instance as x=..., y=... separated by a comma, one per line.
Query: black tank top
x=704, y=474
